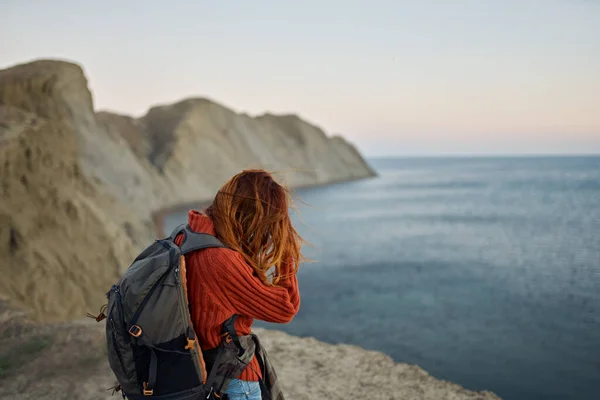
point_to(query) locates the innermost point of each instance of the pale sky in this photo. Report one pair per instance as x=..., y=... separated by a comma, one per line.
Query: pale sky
x=394, y=77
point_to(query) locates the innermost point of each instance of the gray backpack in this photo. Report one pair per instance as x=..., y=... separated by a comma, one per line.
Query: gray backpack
x=152, y=346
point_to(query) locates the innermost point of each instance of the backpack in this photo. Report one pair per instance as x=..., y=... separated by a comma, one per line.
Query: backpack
x=151, y=343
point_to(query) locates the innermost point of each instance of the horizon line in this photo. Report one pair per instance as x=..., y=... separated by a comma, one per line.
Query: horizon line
x=483, y=155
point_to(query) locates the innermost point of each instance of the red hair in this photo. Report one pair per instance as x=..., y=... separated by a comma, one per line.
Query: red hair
x=251, y=216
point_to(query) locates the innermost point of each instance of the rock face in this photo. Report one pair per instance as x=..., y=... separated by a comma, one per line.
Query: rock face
x=192, y=147
x=79, y=187
x=62, y=239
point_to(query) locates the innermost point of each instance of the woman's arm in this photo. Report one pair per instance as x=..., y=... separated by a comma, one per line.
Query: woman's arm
x=290, y=282
x=238, y=290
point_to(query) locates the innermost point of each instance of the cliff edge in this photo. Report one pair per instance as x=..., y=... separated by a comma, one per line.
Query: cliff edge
x=68, y=361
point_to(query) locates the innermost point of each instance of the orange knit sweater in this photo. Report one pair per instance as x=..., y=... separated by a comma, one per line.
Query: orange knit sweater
x=220, y=283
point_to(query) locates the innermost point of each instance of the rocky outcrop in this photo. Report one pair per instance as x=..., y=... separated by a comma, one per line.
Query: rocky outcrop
x=310, y=369
x=192, y=147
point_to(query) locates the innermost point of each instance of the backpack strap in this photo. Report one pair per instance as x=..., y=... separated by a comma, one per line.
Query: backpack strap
x=227, y=361
x=193, y=241
x=152, y=372
x=179, y=229
x=229, y=328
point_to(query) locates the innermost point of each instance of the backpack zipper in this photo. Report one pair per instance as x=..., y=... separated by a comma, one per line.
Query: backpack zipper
x=116, y=346
x=119, y=300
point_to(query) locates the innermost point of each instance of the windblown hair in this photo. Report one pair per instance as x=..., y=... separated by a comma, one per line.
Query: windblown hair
x=251, y=216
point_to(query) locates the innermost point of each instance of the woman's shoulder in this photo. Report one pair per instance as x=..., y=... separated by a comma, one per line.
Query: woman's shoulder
x=221, y=258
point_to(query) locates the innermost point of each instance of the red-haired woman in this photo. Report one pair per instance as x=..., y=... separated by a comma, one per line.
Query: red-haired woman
x=250, y=215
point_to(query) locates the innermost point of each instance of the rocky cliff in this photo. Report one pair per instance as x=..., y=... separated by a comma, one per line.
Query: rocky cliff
x=192, y=147
x=62, y=237
x=79, y=187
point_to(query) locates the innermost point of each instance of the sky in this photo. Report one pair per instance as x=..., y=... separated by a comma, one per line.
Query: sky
x=394, y=77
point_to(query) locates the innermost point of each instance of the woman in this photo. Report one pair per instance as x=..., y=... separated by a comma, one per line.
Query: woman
x=250, y=216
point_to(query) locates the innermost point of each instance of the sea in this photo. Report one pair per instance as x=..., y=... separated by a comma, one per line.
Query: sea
x=484, y=271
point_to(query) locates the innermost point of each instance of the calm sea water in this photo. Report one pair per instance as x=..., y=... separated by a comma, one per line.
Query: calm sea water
x=483, y=271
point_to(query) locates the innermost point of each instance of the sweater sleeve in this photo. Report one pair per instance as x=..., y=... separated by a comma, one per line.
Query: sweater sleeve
x=238, y=290
x=291, y=284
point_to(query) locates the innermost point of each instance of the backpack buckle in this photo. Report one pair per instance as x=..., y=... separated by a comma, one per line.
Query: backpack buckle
x=226, y=337
x=190, y=344
x=146, y=391
x=135, y=331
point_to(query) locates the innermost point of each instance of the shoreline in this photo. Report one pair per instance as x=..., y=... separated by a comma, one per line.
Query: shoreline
x=158, y=217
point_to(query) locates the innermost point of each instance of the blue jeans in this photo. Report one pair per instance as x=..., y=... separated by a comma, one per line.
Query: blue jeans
x=243, y=390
